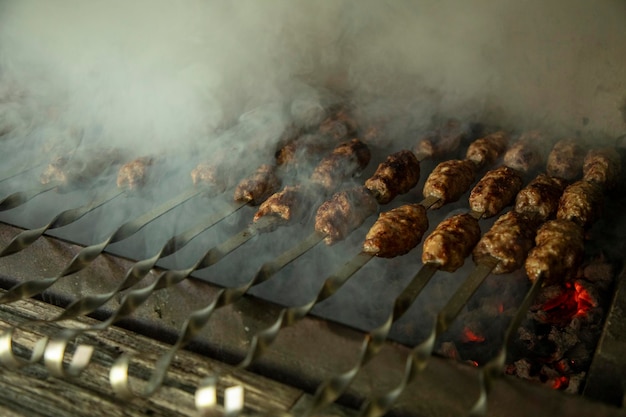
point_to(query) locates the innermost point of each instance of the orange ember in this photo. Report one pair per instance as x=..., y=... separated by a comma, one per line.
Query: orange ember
x=561, y=382
x=469, y=336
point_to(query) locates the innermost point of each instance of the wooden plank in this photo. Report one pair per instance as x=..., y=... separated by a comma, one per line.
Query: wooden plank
x=31, y=391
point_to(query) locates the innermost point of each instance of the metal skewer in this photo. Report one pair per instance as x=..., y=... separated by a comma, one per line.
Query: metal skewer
x=18, y=198
x=28, y=237
x=493, y=368
x=420, y=354
x=90, y=253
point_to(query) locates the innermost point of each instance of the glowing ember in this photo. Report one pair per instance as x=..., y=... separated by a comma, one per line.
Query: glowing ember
x=469, y=336
x=561, y=382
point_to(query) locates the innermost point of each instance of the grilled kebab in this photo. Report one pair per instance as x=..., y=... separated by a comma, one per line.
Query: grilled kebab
x=346, y=159
x=495, y=191
x=451, y=242
x=67, y=171
x=436, y=143
x=486, y=150
x=449, y=181
x=602, y=166
x=398, y=174
x=259, y=186
x=565, y=160
x=133, y=174
x=397, y=231
x=525, y=154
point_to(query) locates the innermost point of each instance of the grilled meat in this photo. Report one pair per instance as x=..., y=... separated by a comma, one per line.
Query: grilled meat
x=558, y=251
x=541, y=197
x=396, y=175
x=449, y=181
x=485, y=151
x=451, y=242
x=207, y=174
x=397, y=231
x=581, y=203
x=305, y=148
x=133, y=174
x=602, y=166
x=344, y=212
x=287, y=204
x=509, y=240
x=565, y=160
x=339, y=125
x=495, y=190
x=440, y=141
x=346, y=159
x=524, y=155
x=259, y=186
x=68, y=171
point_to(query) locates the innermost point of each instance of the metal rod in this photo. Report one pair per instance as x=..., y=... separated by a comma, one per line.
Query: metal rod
x=28, y=237
x=493, y=368
x=17, y=199
x=420, y=354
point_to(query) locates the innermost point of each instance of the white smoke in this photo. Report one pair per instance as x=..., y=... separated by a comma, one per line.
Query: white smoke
x=158, y=74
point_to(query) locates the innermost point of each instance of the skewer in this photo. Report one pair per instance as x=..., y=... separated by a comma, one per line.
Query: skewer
x=28, y=237
x=493, y=368
x=419, y=356
x=90, y=253
x=199, y=318
x=18, y=198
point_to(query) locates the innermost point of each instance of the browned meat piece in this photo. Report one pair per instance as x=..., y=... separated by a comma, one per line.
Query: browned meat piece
x=441, y=141
x=133, y=174
x=344, y=212
x=524, y=155
x=345, y=160
x=397, y=231
x=396, y=175
x=541, y=197
x=449, y=181
x=205, y=174
x=485, y=151
x=288, y=204
x=509, y=240
x=259, y=186
x=451, y=242
x=68, y=171
x=565, y=159
x=558, y=253
x=581, y=203
x=339, y=125
x=305, y=148
x=602, y=166
x=495, y=191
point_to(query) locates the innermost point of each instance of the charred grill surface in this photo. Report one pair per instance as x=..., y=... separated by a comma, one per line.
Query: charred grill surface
x=558, y=251
x=451, y=242
x=495, y=190
x=345, y=160
x=602, y=166
x=565, y=160
x=540, y=197
x=581, y=203
x=398, y=174
x=133, y=175
x=259, y=186
x=397, y=231
x=485, y=151
x=344, y=212
x=449, y=181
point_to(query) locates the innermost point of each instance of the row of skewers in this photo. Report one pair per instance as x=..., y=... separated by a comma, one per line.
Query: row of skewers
x=401, y=229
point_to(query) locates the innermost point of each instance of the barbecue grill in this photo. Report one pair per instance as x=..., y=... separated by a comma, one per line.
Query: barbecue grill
x=185, y=294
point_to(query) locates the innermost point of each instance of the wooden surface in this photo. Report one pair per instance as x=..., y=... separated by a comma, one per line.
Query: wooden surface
x=31, y=391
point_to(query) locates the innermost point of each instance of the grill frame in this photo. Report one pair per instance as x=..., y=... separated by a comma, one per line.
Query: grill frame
x=445, y=387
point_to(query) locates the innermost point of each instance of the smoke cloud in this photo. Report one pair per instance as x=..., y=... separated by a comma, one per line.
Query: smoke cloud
x=157, y=74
